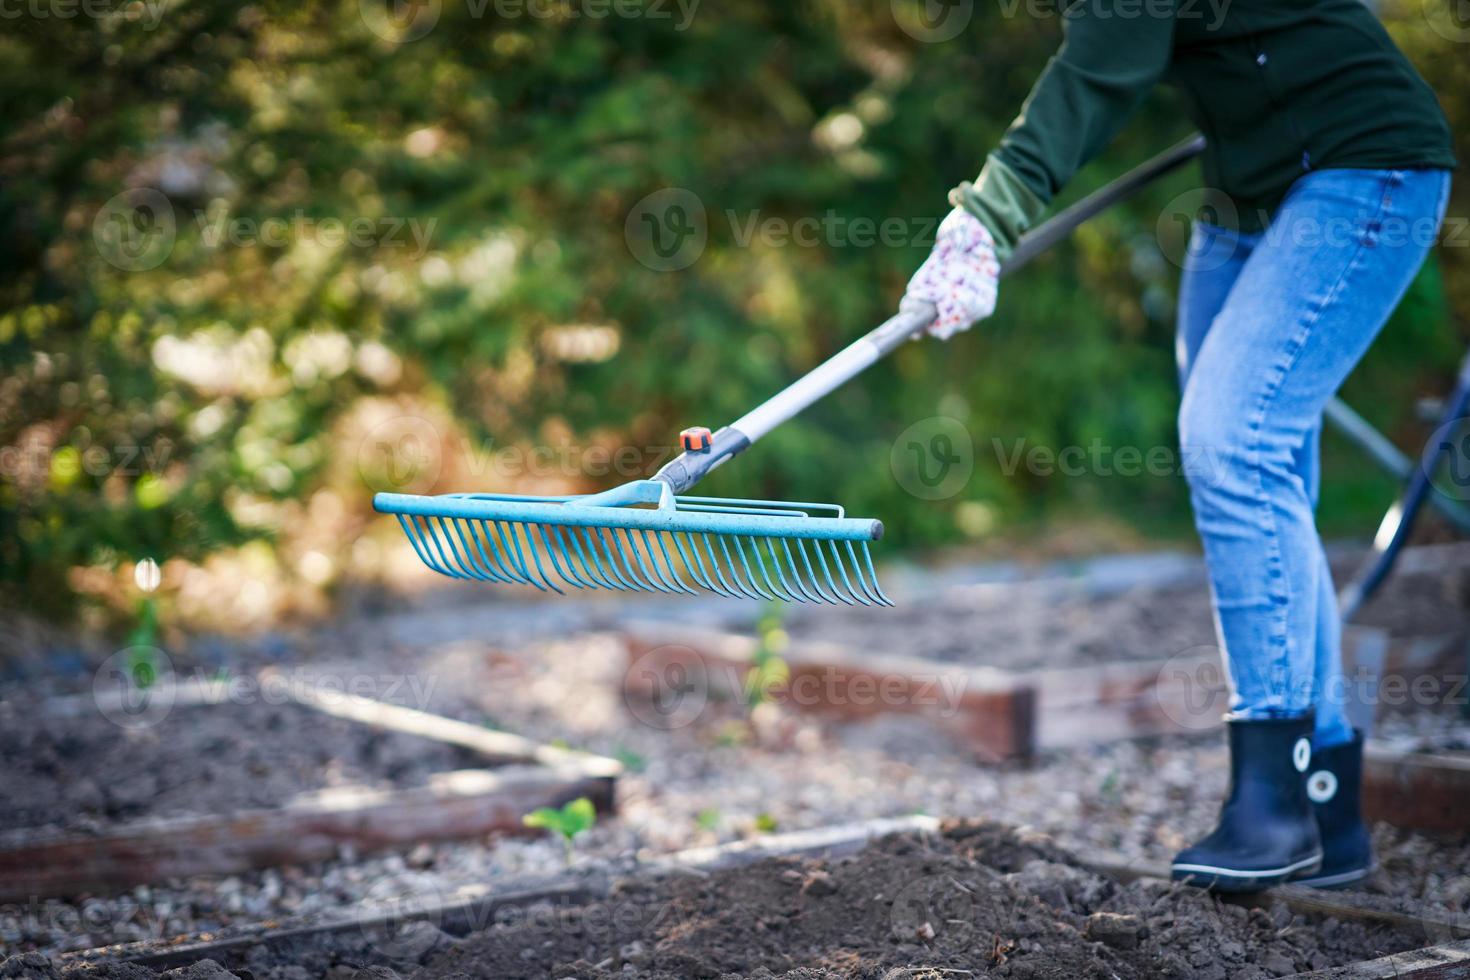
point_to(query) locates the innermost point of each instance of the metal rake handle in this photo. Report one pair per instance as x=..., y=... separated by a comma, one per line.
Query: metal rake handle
x=912, y=318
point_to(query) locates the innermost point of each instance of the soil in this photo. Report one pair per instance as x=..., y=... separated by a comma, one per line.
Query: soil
x=1058, y=625
x=84, y=773
x=1072, y=622
x=978, y=899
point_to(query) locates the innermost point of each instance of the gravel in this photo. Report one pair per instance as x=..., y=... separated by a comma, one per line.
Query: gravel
x=547, y=672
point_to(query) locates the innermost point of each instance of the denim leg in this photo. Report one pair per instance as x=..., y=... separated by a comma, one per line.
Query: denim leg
x=1212, y=264
x=1332, y=727
x=1306, y=305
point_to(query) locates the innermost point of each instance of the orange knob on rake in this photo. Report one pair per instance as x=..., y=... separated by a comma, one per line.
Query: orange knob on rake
x=695, y=439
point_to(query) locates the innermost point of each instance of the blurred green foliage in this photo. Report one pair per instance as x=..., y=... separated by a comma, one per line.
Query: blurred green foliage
x=181, y=409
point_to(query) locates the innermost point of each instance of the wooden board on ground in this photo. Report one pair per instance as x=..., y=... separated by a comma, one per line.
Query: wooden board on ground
x=988, y=710
x=1422, y=790
x=518, y=777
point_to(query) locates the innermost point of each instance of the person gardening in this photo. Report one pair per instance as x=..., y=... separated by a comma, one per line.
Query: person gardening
x=1330, y=160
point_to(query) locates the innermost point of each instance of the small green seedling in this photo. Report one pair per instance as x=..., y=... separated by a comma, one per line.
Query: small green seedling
x=568, y=821
x=765, y=823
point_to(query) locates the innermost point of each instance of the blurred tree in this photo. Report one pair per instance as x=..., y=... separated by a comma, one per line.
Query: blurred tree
x=226, y=230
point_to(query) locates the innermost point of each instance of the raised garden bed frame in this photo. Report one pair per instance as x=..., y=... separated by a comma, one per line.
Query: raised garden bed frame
x=519, y=776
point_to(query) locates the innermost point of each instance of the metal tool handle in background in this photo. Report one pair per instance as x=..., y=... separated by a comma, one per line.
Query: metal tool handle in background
x=913, y=317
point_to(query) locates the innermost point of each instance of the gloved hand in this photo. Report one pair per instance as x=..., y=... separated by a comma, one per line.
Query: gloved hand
x=960, y=276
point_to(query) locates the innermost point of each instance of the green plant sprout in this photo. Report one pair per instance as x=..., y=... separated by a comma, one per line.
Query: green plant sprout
x=768, y=671
x=567, y=821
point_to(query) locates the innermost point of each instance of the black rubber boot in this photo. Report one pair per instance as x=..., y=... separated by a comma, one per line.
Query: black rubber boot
x=1335, y=786
x=1267, y=833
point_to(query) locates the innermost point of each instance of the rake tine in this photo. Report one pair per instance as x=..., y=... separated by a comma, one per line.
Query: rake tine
x=739, y=587
x=612, y=563
x=749, y=575
x=512, y=551
x=632, y=546
x=466, y=531
x=663, y=546
x=821, y=596
x=826, y=572
x=767, y=575
x=695, y=566
x=678, y=584
x=612, y=541
x=553, y=552
x=478, y=570
x=502, y=551
x=641, y=584
x=842, y=569
x=411, y=530
x=535, y=556
x=596, y=575
x=771, y=547
x=450, y=532
x=858, y=571
x=873, y=575
x=432, y=539
x=447, y=544
x=521, y=556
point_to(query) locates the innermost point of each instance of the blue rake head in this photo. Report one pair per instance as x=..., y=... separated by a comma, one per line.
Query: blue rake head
x=640, y=537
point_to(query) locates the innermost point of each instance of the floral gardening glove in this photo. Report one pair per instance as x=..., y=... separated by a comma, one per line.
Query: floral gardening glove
x=960, y=276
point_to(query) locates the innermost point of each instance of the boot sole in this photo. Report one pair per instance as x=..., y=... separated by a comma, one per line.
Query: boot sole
x=1236, y=880
x=1340, y=880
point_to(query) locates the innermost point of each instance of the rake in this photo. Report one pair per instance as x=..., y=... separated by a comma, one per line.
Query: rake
x=639, y=536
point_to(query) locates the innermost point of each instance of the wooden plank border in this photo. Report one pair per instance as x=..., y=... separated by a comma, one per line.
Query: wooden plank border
x=988, y=710
x=1422, y=790
x=1448, y=962
x=455, y=805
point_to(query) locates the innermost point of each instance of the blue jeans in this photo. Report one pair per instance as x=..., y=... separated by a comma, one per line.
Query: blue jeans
x=1269, y=326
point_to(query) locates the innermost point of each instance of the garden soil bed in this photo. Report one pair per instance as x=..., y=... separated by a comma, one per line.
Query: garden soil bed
x=82, y=773
x=976, y=899
x=1062, y=622
x=96, y=800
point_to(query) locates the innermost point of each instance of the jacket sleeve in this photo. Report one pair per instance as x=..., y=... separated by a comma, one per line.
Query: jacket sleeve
x=1113, y=52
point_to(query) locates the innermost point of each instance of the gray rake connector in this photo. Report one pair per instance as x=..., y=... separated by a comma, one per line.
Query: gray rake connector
x=645, y=536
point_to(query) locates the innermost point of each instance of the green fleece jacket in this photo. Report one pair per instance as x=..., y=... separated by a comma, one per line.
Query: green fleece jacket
x=1279, y=88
